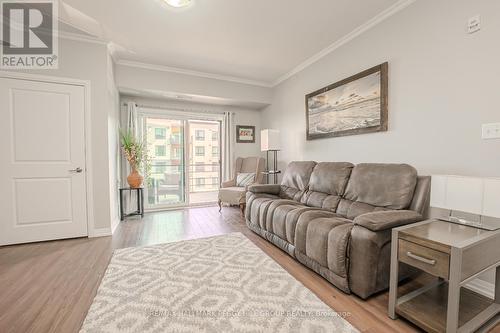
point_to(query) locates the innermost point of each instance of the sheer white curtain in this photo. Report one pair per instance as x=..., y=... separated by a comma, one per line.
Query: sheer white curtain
x=132, y=126
x=228, y=139
x=132, y=118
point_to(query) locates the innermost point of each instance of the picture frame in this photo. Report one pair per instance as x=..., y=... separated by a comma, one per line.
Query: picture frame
x=245, y=134
x=355, y=105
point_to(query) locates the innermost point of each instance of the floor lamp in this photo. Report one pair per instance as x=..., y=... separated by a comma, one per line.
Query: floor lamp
x=269, y=142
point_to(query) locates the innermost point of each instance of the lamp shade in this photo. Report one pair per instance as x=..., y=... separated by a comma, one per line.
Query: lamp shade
x=269, y=139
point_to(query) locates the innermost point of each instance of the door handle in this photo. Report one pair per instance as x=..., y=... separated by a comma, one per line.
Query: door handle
x=77, y=170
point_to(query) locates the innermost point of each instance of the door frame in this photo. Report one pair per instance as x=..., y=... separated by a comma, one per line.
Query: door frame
x=92, y=231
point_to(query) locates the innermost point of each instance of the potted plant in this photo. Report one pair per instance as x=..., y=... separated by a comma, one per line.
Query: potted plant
x=136, y=154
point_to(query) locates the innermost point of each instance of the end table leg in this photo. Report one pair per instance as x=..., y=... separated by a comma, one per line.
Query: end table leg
x=497, y=285
x=454, y=291
x=393, y=282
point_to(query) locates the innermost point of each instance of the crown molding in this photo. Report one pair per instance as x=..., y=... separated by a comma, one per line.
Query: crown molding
x=398, y=6
x=81, y=38
x=184, y=71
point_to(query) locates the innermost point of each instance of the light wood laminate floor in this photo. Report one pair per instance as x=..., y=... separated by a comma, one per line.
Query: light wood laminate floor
x=49, y=286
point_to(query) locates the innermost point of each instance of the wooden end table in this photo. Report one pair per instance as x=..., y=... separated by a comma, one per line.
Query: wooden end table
x=454, y=254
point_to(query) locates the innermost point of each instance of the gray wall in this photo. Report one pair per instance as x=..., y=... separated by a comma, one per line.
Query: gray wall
x=443, y=84
x=157, y=80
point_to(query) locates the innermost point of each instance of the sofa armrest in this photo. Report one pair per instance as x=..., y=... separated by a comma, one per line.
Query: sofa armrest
x=382, y=220
x=228, y=183
x=265, y=188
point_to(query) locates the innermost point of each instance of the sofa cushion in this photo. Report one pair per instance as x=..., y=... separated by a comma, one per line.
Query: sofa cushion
x=389, y=186
x=326, y=240
x=266, y=216
x=328, y=182
x=296, y=179
x=273, y=206
x=350, y=209
x=250, y=197
x=256, y=206
x=284, y=220
x=303, y=223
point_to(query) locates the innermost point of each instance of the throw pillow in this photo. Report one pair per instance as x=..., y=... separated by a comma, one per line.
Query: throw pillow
x=245, y=179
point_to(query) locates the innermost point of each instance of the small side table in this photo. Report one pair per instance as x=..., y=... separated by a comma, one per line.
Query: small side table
x=454, y=254
x=273, y=173
x=140, y=202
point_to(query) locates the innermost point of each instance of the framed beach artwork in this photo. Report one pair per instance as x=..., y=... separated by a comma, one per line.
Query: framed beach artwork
x=351, y=106
x=245, y=134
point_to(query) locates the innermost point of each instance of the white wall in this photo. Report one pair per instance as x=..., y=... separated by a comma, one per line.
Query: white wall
x=443, y=84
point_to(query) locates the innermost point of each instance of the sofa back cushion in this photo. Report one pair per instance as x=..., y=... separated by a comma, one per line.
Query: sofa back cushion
x=327, y=184
x=296, y=179
x=373, y=187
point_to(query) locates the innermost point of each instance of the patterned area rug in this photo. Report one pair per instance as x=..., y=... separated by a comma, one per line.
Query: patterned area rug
x=218, y=284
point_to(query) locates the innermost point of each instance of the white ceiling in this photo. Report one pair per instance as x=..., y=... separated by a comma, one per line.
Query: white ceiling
x=259, y=40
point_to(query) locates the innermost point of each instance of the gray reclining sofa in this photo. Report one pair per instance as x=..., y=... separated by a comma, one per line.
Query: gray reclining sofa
x=336, y=217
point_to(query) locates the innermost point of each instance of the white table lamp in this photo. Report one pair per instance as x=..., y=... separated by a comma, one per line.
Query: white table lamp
x=270, y=141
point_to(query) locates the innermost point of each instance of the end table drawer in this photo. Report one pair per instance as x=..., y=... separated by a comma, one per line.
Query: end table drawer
x=429, y=260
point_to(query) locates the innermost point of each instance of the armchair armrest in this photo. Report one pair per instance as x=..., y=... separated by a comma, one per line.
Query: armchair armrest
x=265, y=188
x=382, y=220
x=228, y=183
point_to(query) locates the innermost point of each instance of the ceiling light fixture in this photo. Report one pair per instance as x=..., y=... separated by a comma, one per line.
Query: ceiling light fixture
x=179, y=3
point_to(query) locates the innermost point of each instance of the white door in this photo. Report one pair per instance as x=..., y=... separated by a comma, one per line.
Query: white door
x=42, y=167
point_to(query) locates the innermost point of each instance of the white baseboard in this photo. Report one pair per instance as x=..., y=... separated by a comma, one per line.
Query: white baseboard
x=482, y=287
x=114, y=225
x=100, y=232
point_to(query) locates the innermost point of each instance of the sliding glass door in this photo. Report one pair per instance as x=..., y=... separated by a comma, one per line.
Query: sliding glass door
x=166, y=181
x=185, y=161
x=204, y=161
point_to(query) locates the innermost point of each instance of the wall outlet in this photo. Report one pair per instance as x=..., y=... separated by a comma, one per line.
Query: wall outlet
x=491, y=131
x=474, y=24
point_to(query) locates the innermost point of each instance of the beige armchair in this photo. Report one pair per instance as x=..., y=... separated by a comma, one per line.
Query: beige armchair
x=233, y=193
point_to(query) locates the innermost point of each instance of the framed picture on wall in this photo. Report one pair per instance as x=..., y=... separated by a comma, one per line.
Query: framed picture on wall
x=355, y=105
x=245, y=134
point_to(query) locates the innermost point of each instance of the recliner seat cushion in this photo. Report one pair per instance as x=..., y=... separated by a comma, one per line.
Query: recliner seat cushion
x=255, y=204
x=325, y=240
x=302, y=224
x=284, y=220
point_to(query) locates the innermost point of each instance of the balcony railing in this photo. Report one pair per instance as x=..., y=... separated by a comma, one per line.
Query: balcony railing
x=165, y=182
